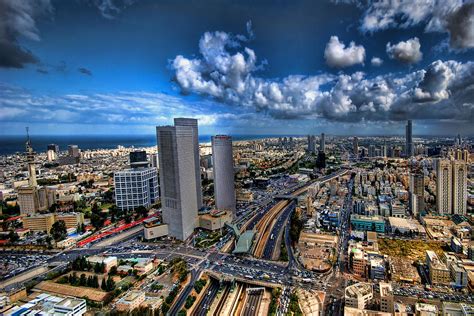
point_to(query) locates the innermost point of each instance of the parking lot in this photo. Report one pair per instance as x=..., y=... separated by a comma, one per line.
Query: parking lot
x=16, y=263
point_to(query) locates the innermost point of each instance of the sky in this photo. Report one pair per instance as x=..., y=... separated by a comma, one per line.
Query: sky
x=240, y=67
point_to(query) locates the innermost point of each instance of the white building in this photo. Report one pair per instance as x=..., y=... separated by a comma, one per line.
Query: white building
x=136, y=187
x=180, y=187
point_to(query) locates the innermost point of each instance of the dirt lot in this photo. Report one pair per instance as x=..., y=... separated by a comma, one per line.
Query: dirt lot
x=409, y=249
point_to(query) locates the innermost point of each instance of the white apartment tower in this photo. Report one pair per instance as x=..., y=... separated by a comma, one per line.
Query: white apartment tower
x=180, y=185
x=459, y=187
x=223, y=166
x=444, y=179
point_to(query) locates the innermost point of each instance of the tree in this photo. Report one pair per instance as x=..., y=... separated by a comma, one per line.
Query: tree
x=83, y=280
x=97, y=221
x=13, y=236
x=59, y=230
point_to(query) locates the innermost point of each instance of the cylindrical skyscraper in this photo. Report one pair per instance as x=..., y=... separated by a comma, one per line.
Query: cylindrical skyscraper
x=223, y=166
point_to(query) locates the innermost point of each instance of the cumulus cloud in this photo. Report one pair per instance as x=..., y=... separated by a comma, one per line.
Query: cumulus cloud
x=337, y=55
x=227, y=72
x=376, y=61
x=407, y=52
x=454, y=17
x=18, y=19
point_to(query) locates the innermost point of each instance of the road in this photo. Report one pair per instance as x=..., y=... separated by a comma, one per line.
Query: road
x=179, y=302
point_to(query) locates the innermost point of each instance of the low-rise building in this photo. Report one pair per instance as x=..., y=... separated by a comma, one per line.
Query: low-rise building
x=39, y=222
x=386, y=297
x=438, y=272
x=109, y=262
x=130, y=301
x=368, y=223
x=154, y=228
x=70, y=306
x=214, y=220
x=358, y=295
x=71, y=219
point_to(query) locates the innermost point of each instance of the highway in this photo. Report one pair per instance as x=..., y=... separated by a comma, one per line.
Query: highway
x=206, y=301
x=277, y=228
x=252, y=302
x=179, y=302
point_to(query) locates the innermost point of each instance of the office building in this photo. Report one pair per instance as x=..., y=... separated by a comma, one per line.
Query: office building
x=417, y=190
x=409, y=149
x=368, y=223
x=53, y=147
x=322, y=143
x=223, y=167
x=70, y=306
x=138, y=159
x=30, y=158
x=136, y=187
x=311, y=144
x=459, y=191
x=359, y=295
x=444, y=194
x=193, y=123
x=372, y=151
x=51, y=155
x=179, y=181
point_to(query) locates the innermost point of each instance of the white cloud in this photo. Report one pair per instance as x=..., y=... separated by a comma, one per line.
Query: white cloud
x=337, y=55
x=455, y=17
x=443, y=91
x=376, y=61
x=406, y=52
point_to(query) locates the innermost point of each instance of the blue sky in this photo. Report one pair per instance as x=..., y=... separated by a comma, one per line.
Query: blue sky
x=248, y=67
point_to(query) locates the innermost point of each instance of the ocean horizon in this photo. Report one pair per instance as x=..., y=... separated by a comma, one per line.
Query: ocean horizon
x=11, y=144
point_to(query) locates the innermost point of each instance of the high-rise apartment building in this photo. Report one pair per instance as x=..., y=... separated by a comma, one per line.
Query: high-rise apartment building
x=355, y=146
x=417, y=190
x=459, y=191
x=451, y=186
x=179, y=182
x=322, y=143
x=409, y=149
x=223, y=165
x=193, y=123
x=73, y=151
x=311, y=144
x=444, y=182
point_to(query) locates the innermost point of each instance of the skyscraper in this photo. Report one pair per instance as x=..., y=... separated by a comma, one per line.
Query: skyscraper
x=417, y=190
x=322, y=143
x=409, y=150
x=355, y=146
x=311, y=144
x=194, y=124
x=459, y=187
x=223, y=165
x=444, y=186
x=179, y=184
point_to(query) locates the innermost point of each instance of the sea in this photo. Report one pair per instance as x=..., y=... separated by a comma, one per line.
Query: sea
x=11, y=144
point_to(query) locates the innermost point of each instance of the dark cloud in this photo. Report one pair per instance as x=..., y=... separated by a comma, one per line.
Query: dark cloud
x=460, y=25
x=85, y=71
x=42, y=71
x=18, y=19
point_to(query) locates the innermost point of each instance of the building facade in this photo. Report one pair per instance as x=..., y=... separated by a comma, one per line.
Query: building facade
x=136, y=187
x=179, y=184
x=223, y=165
